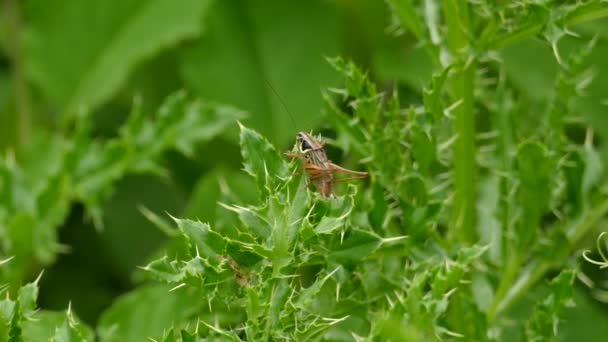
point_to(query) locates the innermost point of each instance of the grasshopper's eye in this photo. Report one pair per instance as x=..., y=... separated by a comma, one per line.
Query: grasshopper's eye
x=303, y=143
x=305, y=146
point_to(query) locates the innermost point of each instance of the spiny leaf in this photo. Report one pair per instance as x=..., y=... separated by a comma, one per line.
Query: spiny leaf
x=203, y=239
x=356, y=247
x=72, y=330
x=543, y=325
x=261, y=160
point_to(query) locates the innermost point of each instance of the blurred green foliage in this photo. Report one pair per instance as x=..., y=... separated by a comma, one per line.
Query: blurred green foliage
x=481, y=123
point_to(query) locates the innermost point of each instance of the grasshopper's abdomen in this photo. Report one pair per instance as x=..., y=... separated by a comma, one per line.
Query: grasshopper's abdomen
x=324, y=186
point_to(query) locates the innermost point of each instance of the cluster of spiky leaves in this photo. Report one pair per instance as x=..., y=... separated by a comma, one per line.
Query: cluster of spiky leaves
x=301, y=267
x=38, y=194
x=20, y=320
x=297, y=266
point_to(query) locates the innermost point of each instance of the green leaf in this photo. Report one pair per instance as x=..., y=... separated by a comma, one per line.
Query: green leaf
x=204, y=240
x=20, y=235
x=328, y=225
x=356, y=247
x=261, y=160
x=586, y=11
x=7, y=308
x=535, y=168
x=28, y=295
x=44, y=325
x=413, y=190
x=432, y=95
x=146, y=311
x=53, y=207
x=335, y=213
x=543, y=325
x=72, y=330
x=81, y=61
x=531, y=67
x=406, y=13
x=179, y=123
x=307, y=295
x=165, y=270
x=529, y=24
x=187, y=337
x=237, y=59
x=222, y=185
x=168, y=336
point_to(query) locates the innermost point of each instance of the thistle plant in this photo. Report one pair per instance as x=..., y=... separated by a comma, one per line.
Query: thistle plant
x=482, y=187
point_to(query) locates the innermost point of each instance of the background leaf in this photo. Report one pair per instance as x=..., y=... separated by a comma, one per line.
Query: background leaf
x=81, y=55
x=247, y=47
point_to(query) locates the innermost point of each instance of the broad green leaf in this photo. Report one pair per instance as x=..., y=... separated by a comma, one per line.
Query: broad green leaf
x=146, y=311
x=80, y=54
x=243, y=55
x=531, y=67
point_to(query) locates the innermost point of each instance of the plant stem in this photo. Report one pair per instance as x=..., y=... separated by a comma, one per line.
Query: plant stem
x=537, y=268
x=510, y=273
x=462, y=85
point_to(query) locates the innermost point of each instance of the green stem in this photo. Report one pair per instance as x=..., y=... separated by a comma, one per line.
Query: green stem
x=536, y=269
x=462, y=85
x=506, y=283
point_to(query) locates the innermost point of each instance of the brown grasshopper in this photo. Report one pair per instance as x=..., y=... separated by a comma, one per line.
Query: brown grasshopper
x=320, y=169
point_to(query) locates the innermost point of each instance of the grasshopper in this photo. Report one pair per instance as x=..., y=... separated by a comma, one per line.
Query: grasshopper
x=320, y=169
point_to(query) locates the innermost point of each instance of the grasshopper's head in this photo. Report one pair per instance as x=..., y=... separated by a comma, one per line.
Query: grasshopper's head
x=305, y=142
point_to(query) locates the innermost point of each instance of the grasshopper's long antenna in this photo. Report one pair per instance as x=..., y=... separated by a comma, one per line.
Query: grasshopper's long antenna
x=282, y=103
